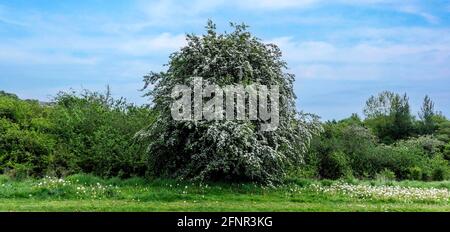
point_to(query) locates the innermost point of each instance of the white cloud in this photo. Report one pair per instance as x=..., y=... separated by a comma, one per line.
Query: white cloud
x=6, y=19
x=68, y=49
x=17, y=55
x=413, y=7
x=285, y=4
x=415, y=10
x=415, y=54
x=11, y=22
x=276, y=4
x=175, y=12
x=164, y=11
x=144, y=45
x=368, y=46
x=305, y=51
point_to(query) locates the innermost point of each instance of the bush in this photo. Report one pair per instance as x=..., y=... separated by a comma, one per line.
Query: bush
x=439, y=168
x=24, y=147
x=415, y=173
x=385, y=175
x=439, y=173
x=406, y=160
x=18, y=171
x=95, y=134
x=427, y=144
x=347, y=136
x=88, y=132
x=335, y=166
x=414, y=158
x=446, y=152
x=356, y=142
x=4, y=179
x=307, y=169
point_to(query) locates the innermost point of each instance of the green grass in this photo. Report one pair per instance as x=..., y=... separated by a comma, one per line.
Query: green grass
x=89, y=193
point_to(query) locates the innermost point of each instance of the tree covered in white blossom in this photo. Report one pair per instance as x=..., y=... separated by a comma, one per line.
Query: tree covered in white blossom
x=225, y=150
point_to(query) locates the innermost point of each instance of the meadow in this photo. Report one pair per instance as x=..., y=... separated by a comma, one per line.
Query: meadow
x=89, y=193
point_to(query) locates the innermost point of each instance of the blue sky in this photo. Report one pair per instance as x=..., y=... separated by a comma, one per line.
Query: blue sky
x=341, y=51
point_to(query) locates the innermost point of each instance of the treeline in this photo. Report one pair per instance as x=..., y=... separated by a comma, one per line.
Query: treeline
x=91, y=132
x=390, y=143
x=85, y=132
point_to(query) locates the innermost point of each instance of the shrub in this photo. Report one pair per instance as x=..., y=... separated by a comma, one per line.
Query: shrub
x=4, y=179
x=413, y=158
x=407, y=161
x=397, y=158
x=335, y=166
x=307, y=169
x=88, y=132
x=24, y=149
x=385, y=175
x=19, y=171
x=428, y=144
x=446, y=152
x=357, y=141
x=415, y=173
x=347, y=136
x=439, y=168
x=95, y=134
x=439, y=173
x=443, y=132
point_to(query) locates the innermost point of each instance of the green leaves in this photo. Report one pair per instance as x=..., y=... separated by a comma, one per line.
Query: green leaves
x=86, y=132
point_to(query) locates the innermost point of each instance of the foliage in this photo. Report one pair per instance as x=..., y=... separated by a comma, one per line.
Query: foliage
x=334, y=166
x=426, y=115
x=446, y=152
x=346, y=138
x=231, y=150
x=419, y=158
x=5, y=94
x=428, y=145
x=443, y=131
x=24, y=144
x=388, y=115
x=97, y=132
x=415, y=173
x=89, y=132
x=403, y=153
x=386, y=175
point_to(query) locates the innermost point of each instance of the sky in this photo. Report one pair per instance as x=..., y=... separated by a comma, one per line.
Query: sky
x=341, y=51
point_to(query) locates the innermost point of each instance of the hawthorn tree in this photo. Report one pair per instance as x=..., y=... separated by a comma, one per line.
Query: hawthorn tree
x=221, y=149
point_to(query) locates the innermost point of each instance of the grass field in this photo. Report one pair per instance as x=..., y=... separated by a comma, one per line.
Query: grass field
x=89, y=193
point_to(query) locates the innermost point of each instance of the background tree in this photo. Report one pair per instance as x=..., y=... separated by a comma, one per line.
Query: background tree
x=426, y=115
x=388, y=114
x=6, y=94
x=225, y=150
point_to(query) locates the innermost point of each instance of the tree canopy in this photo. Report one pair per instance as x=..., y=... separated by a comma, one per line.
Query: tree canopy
x=224, y=150
x=389, y=115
